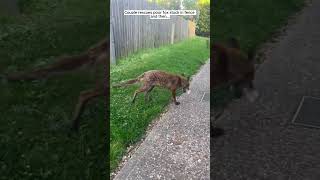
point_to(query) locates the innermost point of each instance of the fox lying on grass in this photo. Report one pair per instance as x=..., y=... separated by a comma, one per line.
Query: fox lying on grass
x=153, y=78
x=94, y=57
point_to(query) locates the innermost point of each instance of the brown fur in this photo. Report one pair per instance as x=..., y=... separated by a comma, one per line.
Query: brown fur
x=231, y=66
x=94, y=57
x=153, y=78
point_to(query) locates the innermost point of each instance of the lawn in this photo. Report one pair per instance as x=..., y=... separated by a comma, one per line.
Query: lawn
x=129, y=122
x=35, y=140
x=253, y=22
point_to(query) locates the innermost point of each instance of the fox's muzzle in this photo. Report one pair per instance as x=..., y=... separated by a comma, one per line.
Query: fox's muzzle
x=251, y=94
x=186, y=90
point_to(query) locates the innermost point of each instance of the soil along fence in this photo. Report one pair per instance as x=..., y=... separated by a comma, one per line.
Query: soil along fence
x=128, y=34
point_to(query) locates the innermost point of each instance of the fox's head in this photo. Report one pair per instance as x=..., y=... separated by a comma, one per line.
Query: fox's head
x=185, y=84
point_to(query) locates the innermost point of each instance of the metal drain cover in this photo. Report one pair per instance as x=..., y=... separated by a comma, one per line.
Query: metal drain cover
x=308, y=113
x=205, y=97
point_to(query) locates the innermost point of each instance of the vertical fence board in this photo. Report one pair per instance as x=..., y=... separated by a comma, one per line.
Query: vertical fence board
x=132, y=33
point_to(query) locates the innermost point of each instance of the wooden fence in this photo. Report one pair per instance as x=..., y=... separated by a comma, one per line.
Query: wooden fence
x=9, y=7
x=128, y=34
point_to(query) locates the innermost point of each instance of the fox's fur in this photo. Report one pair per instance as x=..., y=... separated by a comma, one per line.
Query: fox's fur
x=153, y=78
x=94, y=57
x=231, y=66
x=64, y=63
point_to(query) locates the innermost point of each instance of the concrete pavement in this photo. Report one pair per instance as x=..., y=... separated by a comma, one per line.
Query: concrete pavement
x=178, y=146
x=260, y=142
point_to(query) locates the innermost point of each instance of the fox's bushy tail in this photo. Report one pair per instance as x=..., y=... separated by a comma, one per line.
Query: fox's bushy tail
x=129, y=82
x=126, y=83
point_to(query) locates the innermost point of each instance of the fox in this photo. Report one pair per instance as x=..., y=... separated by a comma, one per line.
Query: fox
x=94, y=57
x=232, y=67
x=153, y=78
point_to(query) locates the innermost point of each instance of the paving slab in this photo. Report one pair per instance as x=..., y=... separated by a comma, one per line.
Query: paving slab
x=178, y=146
x=308, y=112
x=260, y=141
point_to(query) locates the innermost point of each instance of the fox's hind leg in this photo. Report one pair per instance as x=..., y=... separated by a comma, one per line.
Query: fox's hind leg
x=144, y=88
x=147, y=94
x=84, y=97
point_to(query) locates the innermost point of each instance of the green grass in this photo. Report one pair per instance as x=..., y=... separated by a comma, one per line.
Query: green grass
x=129, y=122
x=253, y=22
x=35, y=141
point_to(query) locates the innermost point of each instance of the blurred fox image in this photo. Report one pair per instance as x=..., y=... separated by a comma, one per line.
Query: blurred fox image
x=95, y=57
x=233, y=67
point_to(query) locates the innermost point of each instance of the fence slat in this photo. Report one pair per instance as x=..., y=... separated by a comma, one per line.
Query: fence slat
x=132, y=33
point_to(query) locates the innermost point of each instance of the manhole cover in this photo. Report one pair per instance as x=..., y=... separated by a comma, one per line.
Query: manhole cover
x=205, y=97
x=308, y=113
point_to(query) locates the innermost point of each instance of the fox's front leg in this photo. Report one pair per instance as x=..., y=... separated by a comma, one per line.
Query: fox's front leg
x=174, y=97
x=237, y=90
